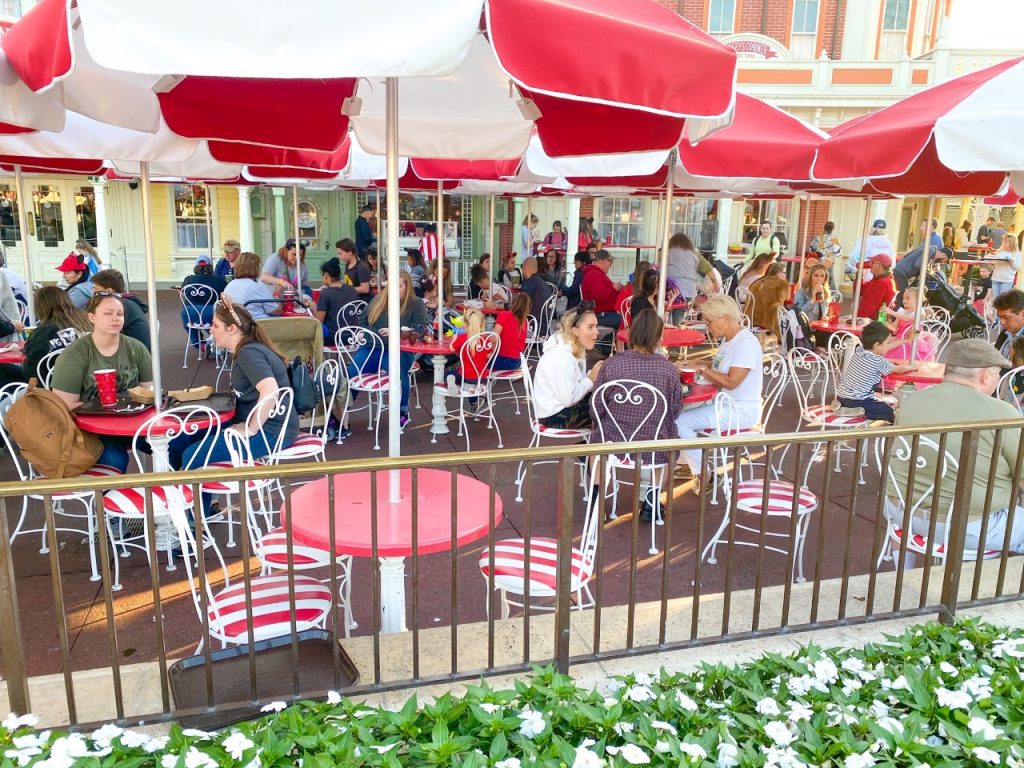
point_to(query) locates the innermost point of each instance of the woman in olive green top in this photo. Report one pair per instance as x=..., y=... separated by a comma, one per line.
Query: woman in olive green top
x=104, y=348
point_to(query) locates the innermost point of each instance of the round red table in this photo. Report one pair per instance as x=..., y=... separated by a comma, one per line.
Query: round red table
x=127, y=424
x=671, y=337
x=353, y=512
x=438, y=351
x=831, y=326
x=485, y=310
x=699, y=394
x=14, y=356
x=927, y=373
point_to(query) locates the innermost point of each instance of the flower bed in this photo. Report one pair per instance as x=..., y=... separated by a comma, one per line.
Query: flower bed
x=940, y=696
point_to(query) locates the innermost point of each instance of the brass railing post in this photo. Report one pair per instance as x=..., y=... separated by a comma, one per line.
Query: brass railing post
x=10, y=625
x=563, y=534
x=958, y=527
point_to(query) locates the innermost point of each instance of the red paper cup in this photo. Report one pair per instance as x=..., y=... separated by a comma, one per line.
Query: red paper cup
x=688, y=376
x=608, y=239
x=834, y=309
x=106, y=386
x=288, y=308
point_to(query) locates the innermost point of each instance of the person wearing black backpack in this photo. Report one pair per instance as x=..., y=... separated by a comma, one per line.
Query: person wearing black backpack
x=765, y=242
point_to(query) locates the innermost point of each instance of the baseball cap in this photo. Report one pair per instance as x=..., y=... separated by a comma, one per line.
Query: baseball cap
x=602, y=255
x=975, y=353
x=878, y=224
x=232, y=245
x=204, y=259
x=882, y=258
x=72, y=263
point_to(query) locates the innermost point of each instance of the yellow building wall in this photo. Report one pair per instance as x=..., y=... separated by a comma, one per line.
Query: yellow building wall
x=226, y=200
x=163, y=220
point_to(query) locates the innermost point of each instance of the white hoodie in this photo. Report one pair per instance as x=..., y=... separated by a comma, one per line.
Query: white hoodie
x=560, y=379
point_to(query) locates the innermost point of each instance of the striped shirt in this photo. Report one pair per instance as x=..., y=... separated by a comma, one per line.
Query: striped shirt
x=428, y=246
x=861, y=374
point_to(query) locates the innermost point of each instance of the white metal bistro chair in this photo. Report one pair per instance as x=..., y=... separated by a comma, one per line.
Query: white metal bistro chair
x=61, y=501
x=312, y=444
x=920, y=504
x=624, y=411
x=363, y=355
x=940, y=333
x=44, y=368
x=348, y=316
x=511, y=557
x=1005, y=389
x=196, y=299
x=475, y=381
x=769, y=495
x=542, y=431
x=123, y=506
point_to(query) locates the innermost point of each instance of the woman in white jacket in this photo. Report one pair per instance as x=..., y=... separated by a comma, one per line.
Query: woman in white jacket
x=561, y=384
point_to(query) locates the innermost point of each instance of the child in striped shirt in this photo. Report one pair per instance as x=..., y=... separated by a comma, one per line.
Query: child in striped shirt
x=863, y=370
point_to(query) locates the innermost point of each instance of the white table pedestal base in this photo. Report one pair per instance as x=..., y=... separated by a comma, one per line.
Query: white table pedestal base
x=439, y=425
x=392, y=594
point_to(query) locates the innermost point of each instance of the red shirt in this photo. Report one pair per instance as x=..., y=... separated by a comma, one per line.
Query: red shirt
x=626, y=294
x=874, y=295
x=598, y=288
x=471, y=361
x=513, y=335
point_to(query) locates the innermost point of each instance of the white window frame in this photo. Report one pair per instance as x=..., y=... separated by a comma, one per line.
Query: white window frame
x=8, y=193
x=806, y=4
x=80, y=190
x=722, y=5
x=899, y=5
x=40, y=241
x=314, y=240
x=197, y=223
x=608, y=213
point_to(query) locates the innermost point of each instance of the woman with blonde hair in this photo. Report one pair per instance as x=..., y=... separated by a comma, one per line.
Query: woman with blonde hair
x=561, y=383
x=1004, y=271
x=737, y=368
x=814, y=294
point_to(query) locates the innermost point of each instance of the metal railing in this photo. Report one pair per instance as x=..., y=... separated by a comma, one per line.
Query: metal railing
x=669, y=600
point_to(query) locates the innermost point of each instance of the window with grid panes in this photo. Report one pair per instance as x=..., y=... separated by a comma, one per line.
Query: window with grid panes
x=805, y=29
x=190, y=231
x=9, y=215
x=721, y=17
x=48, y=215
x=697, y=218
x=622, y=218
x=85, y=214
x=896, y=15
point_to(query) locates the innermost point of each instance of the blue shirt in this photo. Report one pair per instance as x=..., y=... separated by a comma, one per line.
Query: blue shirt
x=224, y=268
x=364, y=236
x=244, y=289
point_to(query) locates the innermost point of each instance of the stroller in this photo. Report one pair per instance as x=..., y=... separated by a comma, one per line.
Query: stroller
x=963, y=317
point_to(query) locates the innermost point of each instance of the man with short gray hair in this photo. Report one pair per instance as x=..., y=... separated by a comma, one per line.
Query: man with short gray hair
x=972, y=373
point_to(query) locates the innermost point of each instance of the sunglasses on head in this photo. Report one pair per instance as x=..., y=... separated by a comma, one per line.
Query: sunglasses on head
x=583, y=309
x=106, y=294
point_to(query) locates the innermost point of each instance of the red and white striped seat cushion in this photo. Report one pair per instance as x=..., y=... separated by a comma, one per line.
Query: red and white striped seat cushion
x=515, y=375
x=920, y=544
x=306, y=445
x=131, y=502
x=510, y=557
x=271, y=607
x=100, y=470
x=230, y=486
x=415, y=367
x=546, y=431
x=750, y=497
x=274, y=550
x=369, y=382
x=824, y=415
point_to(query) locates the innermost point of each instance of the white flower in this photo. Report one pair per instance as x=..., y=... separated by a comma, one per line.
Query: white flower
x=156, y=744
x=801, y=685
x=333, y=698
x=623, y=727
x=30, y=740
x=899, y=684
x=640, y=693
x=196, y=759
x=693, y=750
x=953, y=699
x=986, y=755
x=934, y=741
x=948, y=669
x=779, y=733
x=106, y=734
x=727, y=755
x=978, y=687
x=586, y=759
x=384, y=748
x=488, y=707
x=24, y=755
x=878, y=709
x=769, y=707
x=1014, y=648
x=853, y=664
x=891, y=724
x=967, y=645
x=511, y=762
x=825, y=671
x=13, y=722
x=782, y=758
x=133, y=739
x=169, y=761
x=661, y=747
x=685, y=702
x=631, y=753
x=614, y=686
x=274, y=706
x=798, y=712
x=532, y=723
x=236, y=744
x=863, y=760
x=196, y=733
x=661, y=725
x=981, y=726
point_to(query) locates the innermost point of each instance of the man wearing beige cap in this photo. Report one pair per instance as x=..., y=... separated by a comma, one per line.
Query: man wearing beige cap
x=973, y=369
x=226, y=267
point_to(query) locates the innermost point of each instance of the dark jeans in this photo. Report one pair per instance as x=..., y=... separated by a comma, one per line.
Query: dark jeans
x=195, y=315
x=576, y=416
x=364, y=363
x=875, y=410
x=506, y=363
x=609, y=319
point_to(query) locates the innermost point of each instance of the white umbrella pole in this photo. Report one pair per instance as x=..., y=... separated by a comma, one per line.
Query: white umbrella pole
x=859, y=280
x=922, y=275
x=298, y=243
x=154, y=324
x=209, y=222
x=490, y=234
x=380, y=256
x=803, y=251
x=26, y=262
x=394, y=286
x=440, y=260
x=667, y=220
x=529, y=227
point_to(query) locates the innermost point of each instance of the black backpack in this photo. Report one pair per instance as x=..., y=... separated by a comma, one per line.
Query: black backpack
x=302, y=386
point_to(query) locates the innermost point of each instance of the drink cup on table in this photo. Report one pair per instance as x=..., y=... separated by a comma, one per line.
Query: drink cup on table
x=106, y=386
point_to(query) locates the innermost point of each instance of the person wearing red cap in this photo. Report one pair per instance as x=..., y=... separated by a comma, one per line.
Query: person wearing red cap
x=76, y=274
x=881, y=290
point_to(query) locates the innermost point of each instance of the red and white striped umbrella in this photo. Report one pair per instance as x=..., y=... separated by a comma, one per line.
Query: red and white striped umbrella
x=959, y=137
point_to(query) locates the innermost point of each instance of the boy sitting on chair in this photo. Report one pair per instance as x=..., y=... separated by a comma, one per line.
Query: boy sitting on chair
x=862, y=371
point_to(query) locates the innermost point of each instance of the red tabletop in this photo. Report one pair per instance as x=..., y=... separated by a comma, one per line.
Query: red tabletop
x=14, y=356
x=485, y=310
x=972, y=262
x=677, y=304
x=353, y=511
x=700, y=393
x=295, y=313
x=792, y=259
x=926, y=373
x=672, y=337
x=830, y=326
x=423, y=347
x=128, y=424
